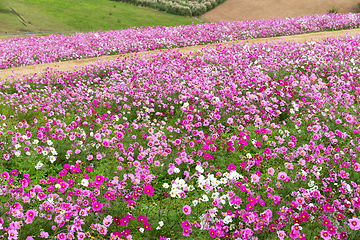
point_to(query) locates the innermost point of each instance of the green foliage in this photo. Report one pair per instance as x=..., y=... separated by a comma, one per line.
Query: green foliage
x=177, y=7
x=92, y=15
x=333, y=10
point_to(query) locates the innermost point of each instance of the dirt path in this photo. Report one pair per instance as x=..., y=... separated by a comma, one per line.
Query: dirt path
x=76, y=64
x=232, y=10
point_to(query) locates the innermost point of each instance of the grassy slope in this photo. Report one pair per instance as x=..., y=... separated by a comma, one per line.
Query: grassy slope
x=83, y=15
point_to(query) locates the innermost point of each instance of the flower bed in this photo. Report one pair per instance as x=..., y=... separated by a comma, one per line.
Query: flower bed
x=36, y=50
x=244, y=142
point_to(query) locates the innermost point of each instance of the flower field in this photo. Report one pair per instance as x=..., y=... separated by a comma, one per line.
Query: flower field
x=17, y=52
x=249, y=141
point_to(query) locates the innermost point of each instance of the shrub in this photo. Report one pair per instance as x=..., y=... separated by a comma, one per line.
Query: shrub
x=333, y=10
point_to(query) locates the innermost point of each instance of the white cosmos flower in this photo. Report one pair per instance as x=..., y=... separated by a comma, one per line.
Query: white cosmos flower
x=199, y=169
x=205, y=198
x=165, y=185
x=234, y=175
x=227, y=219
x=39, y=165
x=215, y=195
x=173, y=193
x=85, y=182
x=50, y=200
x=52, y=159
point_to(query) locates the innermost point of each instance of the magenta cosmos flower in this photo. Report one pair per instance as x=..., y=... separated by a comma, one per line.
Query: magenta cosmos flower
x=97, y=206
x=149, y=190
x=187, y=210
x=5, y=175
x=232, y=167
x=212, y=232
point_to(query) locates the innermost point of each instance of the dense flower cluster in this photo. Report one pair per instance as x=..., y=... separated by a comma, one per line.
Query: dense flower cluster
x=36, y=50
x=249, y=141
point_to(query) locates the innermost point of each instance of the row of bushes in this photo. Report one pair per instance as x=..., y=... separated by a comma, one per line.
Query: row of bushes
x=178, y=7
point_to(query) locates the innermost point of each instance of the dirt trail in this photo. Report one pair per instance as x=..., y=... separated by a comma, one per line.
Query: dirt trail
x=76, y=64
x=232, y=10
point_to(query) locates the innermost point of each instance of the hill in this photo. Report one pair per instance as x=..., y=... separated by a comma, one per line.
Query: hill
x=80, y=15
x=233, y=10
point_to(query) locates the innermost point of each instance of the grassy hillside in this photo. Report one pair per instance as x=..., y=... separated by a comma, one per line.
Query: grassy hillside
x=82, y=15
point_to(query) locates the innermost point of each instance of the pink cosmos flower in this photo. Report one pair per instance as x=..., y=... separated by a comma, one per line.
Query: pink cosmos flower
x=13, y=234
x=61, y=236
x=31, y=214
x=281, y=234
x=294, y=234
x=282, y=176
x=81, y=235
x=354, y=223
x=42, y=196
x=349, y=118
x=357, y=167
x=102, y=230
x=44, y=234
x=255, y=178
x=247, y=233
x=106, y=142
x=325, y=235
x=187, y=210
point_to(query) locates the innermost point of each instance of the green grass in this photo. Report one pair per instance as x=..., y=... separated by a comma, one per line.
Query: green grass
x=82, y=15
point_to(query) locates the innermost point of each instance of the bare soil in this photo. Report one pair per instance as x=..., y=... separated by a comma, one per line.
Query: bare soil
x=72, y=66
x=238, y=10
